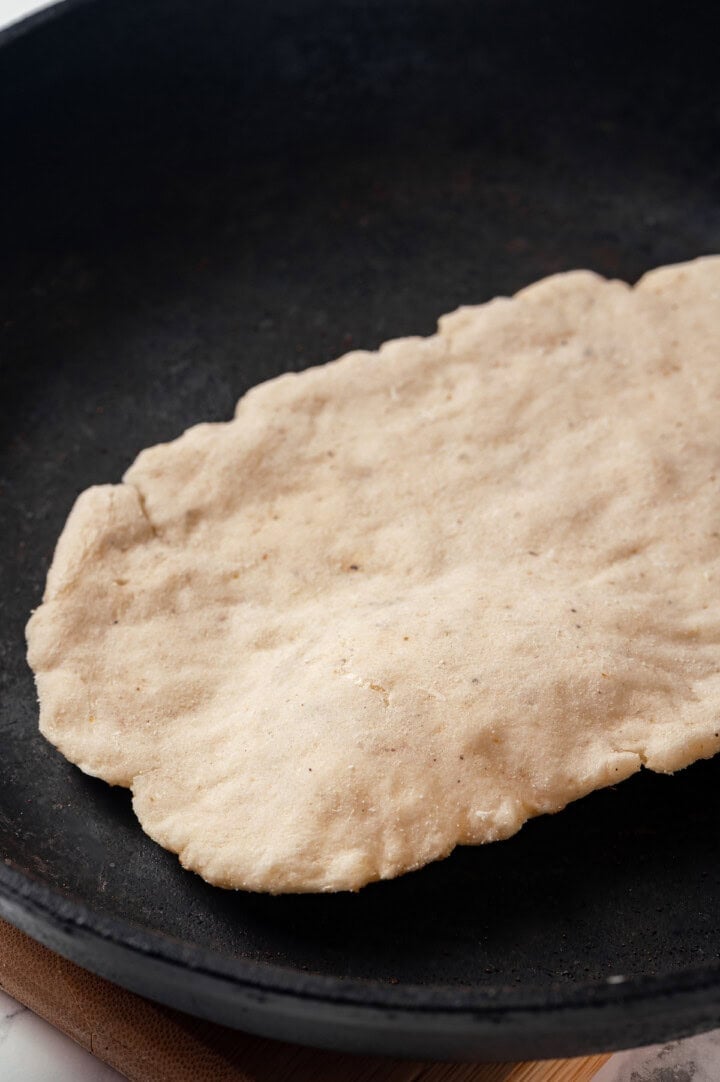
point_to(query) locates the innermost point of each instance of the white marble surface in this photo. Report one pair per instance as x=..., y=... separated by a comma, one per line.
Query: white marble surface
x=696, y=1059
x=31, y=1050
x=12, y=10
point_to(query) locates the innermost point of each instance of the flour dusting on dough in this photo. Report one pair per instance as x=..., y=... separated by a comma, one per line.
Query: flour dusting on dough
x=409, y=599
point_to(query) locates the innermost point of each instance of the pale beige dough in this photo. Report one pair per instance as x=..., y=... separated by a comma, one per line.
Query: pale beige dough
x=409, y=599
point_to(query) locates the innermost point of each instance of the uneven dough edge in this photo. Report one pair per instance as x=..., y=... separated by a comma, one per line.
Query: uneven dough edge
x=127, y=521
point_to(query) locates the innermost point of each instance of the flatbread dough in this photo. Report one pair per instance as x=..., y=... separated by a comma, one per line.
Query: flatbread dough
x=411, y=598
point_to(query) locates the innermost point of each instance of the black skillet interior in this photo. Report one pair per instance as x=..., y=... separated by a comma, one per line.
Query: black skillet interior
x=200, y=196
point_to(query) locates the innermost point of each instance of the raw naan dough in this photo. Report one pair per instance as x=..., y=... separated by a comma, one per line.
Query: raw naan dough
x=411, y=598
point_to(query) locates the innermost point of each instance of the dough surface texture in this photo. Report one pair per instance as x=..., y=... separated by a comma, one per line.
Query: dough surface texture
x=408, y=599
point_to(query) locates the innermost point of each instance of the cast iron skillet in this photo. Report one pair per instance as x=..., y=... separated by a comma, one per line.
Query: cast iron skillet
x=200, y=196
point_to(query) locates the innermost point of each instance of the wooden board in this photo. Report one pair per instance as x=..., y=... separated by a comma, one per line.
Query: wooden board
x=150, y=1043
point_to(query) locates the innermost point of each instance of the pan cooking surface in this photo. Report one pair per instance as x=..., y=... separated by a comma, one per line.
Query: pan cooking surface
x=199, y=197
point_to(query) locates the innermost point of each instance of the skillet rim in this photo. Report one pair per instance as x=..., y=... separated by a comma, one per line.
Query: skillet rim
x=66, y=915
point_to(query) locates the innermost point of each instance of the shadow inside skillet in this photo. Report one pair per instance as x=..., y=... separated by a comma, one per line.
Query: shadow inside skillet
x=625, y=882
